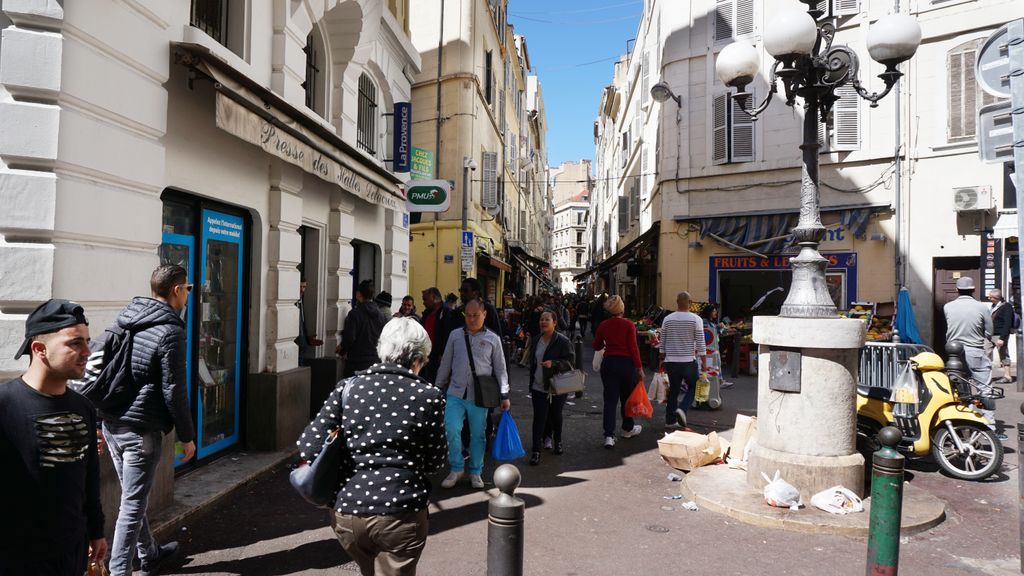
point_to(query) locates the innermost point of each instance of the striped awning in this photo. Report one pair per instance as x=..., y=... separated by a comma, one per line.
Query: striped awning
x=769, y=232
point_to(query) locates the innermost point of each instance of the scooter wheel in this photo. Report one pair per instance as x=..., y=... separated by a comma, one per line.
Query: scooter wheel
x=982, y=455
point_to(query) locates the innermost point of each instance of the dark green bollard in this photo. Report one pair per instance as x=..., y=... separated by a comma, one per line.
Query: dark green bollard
x=886, y=506
x=505, y=525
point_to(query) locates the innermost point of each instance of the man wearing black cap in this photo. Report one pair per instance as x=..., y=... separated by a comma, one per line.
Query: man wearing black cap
x=135, y=432
x=51, y=521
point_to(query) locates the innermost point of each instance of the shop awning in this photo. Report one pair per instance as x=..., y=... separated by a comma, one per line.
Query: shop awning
x=1006, y=226
x=768, y=231
x=251, y=112
x=624, y=253
x=539, y=262
x=523, y=259
x=493, y=262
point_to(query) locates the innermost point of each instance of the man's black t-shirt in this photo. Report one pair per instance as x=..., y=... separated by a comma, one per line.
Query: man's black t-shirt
x=49, y=479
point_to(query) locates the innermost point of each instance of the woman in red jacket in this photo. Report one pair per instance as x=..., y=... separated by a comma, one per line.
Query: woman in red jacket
x=620, y=369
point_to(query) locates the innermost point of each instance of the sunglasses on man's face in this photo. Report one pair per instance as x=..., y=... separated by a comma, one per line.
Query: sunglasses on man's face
x=188, y=287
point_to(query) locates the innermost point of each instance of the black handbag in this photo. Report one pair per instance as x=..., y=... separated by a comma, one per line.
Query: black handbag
x=486, y=390
x=317, y=481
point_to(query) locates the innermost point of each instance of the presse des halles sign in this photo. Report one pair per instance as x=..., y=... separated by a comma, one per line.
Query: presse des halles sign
x=428, y=195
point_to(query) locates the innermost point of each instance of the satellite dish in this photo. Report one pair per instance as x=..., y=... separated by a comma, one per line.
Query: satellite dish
x=494, y=210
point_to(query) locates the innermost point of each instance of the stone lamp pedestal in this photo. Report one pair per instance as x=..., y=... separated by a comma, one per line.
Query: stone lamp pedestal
x=806, y=403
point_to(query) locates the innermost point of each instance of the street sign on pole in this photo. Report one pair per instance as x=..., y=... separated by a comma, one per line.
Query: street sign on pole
x=993, y=66
x=995, y=133
x=467, y=251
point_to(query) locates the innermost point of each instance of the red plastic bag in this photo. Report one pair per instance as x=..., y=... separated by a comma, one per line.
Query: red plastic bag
x=639, y=404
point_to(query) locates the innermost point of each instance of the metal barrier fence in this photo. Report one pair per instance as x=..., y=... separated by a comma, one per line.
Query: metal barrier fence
x=880, y=362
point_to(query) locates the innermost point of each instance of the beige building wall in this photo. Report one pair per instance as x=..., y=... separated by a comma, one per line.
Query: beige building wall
x=934, y=164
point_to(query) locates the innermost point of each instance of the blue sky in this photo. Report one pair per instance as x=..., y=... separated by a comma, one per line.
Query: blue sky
x=573, y=45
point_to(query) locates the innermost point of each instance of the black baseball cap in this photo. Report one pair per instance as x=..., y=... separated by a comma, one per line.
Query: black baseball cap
x=51, y=316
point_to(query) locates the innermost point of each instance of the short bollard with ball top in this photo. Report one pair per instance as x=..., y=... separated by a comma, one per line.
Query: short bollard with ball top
x=505, y=525
x=886, y=506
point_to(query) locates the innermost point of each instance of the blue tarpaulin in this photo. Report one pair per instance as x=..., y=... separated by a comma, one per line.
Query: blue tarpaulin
x=906, y=324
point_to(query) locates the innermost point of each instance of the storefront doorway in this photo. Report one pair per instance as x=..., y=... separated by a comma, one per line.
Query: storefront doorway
x=210, y=241
x=747, y=286
x=944, y=276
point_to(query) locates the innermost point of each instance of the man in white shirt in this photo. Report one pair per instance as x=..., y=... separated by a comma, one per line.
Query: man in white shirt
x=681, y=345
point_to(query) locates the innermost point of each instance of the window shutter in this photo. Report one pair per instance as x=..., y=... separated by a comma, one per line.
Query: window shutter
x=823, y=6
x=634, y=199
x=956, y=95
x=845, y=7
x=623, y=214
x=744, y=18
x=645, y=74
x=501, y=110
x=846, y=119
x=724, y=19
x=490, y=183
x=720, y=129
x=522, y=225
x=741, y=125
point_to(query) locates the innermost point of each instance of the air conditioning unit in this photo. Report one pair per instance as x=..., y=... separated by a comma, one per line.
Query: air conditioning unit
x=970, y=198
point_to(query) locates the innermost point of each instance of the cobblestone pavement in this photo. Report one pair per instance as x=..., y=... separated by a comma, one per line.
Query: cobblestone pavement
x=605, y=512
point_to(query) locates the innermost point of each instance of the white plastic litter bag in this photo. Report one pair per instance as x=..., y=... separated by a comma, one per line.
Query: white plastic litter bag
x=781, y=494
x=598, y=358
x=837, y=500
x=904, y=390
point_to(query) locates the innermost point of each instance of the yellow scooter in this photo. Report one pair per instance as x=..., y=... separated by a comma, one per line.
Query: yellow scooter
x=940, y=418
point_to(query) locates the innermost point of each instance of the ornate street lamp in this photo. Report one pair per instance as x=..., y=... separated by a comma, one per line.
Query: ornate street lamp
x=809, y=66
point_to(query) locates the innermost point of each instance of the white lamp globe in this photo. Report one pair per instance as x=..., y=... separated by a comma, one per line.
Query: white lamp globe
x=793, y=32
x=737, y=64
x=894, y=39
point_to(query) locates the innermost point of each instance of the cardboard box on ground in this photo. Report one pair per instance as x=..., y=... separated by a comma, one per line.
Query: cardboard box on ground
x=689, y=450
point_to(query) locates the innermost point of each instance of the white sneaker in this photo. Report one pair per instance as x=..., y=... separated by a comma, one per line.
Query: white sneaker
x=636, y=430
x=452, y=479
x=476, y=481
x=609, y=442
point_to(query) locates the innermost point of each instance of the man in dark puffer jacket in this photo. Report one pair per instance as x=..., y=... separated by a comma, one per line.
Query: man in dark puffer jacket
x=134, y=435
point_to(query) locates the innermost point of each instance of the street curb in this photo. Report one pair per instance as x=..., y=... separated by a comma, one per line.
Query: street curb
x=212, y=486
x=724, y=490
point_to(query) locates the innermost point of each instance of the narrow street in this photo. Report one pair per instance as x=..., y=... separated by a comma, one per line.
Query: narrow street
x=604, y=512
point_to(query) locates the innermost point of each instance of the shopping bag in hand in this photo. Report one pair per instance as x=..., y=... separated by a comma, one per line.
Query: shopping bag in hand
x=639, y=405
x=657, y=392
x=507, y=445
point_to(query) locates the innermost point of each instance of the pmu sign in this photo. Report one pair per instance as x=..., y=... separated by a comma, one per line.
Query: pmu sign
x=403, y=128
x=428, y=195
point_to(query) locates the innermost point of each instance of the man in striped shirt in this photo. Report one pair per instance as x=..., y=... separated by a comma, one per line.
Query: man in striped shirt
x=681, y=345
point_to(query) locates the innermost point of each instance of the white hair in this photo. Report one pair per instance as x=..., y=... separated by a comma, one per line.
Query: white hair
x=403, y=341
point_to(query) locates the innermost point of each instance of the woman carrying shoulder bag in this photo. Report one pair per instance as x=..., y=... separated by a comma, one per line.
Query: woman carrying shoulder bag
x=380, y=512
x=550, y=354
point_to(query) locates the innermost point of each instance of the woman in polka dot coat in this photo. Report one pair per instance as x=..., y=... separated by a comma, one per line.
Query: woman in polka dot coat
x=393, y=425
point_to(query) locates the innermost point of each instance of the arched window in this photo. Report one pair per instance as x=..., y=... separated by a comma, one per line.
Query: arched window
x=366, y=121
x=965, y=94
x=315, y=84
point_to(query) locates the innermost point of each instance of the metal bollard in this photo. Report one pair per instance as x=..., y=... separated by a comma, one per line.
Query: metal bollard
x=578, y=349
x=886, y=506
x=505, y=525
x=1020, y=491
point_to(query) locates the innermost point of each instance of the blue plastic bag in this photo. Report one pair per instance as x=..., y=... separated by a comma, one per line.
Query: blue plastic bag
x=507, y=445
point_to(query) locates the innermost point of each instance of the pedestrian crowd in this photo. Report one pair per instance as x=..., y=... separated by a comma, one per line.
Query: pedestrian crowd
x=420, y=388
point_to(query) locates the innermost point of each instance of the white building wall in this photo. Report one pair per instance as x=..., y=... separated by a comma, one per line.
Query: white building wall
x=97, y=120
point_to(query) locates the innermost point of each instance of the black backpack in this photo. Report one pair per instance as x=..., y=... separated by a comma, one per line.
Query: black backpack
x=108, y=382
